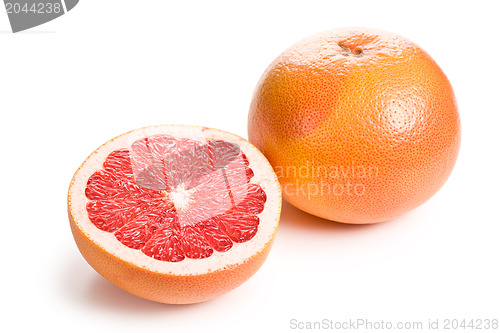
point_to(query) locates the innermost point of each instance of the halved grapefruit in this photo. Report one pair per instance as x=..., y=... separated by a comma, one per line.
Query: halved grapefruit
x=175, y=214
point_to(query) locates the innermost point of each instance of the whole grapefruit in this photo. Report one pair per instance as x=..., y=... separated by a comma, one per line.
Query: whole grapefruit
x=360, y=125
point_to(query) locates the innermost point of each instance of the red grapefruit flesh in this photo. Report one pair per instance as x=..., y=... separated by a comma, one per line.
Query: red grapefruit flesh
x=175, y=214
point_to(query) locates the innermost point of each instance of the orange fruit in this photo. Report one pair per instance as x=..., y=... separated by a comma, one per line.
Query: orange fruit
x=175, y=214
x=360, y=125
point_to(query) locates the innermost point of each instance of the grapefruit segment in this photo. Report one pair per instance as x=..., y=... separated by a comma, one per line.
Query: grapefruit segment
x=239, y=227
x=165, y=245
x=137, y=233
x=178, y=201
x=217, y=239
x=194, y=244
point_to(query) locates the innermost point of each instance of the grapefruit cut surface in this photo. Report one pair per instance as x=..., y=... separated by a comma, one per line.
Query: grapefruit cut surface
x=176, y=214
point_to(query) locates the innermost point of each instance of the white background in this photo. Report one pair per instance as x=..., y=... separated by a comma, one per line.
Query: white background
x=111, y=66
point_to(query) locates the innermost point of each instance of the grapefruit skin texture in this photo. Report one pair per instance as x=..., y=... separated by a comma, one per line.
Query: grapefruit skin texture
x=360, y=125
x=165, y=288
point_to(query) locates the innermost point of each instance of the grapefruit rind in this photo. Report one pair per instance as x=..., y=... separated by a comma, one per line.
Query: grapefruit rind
x=166, y=288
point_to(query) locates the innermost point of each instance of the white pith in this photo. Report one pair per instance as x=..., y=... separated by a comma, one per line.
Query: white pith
x=182, y=197
x=240, y=252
